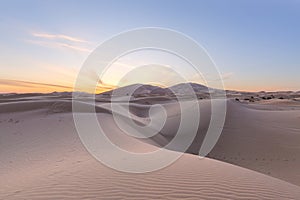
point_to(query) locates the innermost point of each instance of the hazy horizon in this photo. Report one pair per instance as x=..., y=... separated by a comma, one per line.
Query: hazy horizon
x=106, y=90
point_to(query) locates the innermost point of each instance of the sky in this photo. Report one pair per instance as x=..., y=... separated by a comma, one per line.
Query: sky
x=255, y=44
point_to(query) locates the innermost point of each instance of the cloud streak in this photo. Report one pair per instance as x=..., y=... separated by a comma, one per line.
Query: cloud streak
x=59, y=41
x=59, y=36
x=29, y=84
x=227, y=75
x=58, y=45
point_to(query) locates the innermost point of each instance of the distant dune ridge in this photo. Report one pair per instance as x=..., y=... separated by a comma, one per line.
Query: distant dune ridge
x=141, y=89
x=256, y=157
x=201, y=90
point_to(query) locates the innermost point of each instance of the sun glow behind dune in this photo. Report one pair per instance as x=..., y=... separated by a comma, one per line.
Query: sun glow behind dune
x=17, y=86
x=133, y=69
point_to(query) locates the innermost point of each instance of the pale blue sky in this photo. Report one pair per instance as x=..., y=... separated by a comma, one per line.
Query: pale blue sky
x=254, y=43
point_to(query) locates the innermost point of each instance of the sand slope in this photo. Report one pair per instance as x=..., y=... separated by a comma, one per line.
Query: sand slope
x=262, y=139
x=43, y=158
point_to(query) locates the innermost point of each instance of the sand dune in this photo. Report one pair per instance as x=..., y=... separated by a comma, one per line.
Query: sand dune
x=43, y=158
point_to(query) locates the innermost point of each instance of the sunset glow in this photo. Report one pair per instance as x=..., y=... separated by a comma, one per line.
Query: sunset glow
x=43, y=51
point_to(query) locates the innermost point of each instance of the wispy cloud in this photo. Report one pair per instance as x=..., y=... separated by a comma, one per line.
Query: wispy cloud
x=227, y=75
x=29, y=84
x=58, y=45
x=59, y=36
x=222, y=77
x=59, y=41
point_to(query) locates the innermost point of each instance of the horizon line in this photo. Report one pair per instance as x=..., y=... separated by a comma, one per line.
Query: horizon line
x=12, y=82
